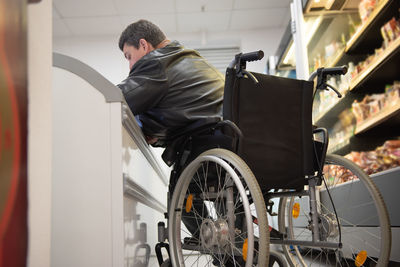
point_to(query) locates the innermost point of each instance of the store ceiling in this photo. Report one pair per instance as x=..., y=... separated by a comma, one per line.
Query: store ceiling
x=103, y=17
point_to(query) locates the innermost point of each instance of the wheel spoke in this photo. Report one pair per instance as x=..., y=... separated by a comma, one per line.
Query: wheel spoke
x=206, y=183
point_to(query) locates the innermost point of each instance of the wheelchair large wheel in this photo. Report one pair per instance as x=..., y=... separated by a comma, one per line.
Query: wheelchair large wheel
x=217, y=214
x=362, y=216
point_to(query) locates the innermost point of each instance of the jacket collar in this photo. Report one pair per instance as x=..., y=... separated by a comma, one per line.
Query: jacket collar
x=173, y=46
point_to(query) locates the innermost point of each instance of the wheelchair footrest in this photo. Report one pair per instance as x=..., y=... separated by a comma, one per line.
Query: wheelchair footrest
x=159, y=255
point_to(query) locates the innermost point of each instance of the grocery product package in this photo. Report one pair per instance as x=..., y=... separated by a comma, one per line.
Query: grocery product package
x=369, y=106
x=390, y=31
x=392, y=94
x=382, y=158
x=373, y=104
x=365, y=9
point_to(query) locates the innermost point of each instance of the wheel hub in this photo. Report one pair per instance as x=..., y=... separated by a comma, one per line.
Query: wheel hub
x=214, y=233
x=328, y=226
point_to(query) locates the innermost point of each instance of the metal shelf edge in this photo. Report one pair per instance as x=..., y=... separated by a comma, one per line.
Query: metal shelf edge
x=395, y=169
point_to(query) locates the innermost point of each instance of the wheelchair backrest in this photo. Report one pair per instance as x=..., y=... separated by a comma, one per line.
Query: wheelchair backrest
x=274, y=116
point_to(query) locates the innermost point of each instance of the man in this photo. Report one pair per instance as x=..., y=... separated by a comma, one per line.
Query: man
x=169, y=86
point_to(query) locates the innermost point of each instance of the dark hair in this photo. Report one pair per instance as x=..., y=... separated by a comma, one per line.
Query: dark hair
x=141, y=29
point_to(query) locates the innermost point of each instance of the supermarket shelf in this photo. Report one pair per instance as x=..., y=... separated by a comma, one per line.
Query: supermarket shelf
x=379, y=118
x=395, y=170
x=336, y=59
x=382, y=67
x=356, y=143
x=327, y=117
x=335, y=148
x=368, y=37
x=325, y=111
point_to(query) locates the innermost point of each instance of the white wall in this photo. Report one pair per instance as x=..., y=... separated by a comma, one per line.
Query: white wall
x=39, y=132
x=102, y=52
x=248, y=41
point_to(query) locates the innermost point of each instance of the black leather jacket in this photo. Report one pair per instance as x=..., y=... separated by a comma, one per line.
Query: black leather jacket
x=170, y=88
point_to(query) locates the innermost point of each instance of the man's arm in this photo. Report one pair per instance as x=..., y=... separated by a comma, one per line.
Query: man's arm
x=151, y=140
x=145, y=88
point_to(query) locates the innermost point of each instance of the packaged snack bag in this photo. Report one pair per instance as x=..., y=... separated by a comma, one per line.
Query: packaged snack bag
x=394, y=28
x=391, y=144
x=360, y=111
x=382, y=158
x=389, y=31
x=392, y=94
x=384, y=36
x=365, y=8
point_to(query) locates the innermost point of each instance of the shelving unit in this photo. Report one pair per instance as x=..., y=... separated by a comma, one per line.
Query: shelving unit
x=371, y=27
x=331, y=112
x=355, y=143
x=362, y=40
x=377, y=119
x=381, y=71
x=336, y=59
x=390, y=115
x=383, y=68
x=326, y=110
x=345, y=142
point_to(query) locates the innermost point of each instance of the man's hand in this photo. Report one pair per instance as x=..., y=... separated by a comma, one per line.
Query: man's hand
x=151, y=140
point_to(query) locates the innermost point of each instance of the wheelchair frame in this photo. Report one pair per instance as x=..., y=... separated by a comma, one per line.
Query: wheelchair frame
x=239, y=64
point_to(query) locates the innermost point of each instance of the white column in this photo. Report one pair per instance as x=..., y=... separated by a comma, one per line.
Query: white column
x=117, y=199
x=299, y=41
x=39, y=132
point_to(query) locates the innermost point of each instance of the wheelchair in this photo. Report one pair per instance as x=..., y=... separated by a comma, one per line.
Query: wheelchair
x=227, y=174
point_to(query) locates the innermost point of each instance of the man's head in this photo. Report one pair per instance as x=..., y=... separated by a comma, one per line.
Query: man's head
x=139, y=39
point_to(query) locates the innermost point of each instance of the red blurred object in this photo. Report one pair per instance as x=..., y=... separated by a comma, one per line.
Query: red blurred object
x=13, y=133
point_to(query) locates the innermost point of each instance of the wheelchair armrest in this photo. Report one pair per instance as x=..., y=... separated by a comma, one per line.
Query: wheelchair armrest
x=231, y=125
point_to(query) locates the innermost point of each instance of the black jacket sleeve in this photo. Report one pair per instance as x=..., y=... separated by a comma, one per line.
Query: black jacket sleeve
x=146, y=85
